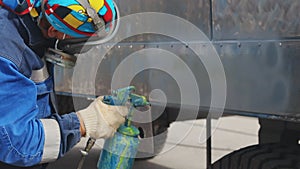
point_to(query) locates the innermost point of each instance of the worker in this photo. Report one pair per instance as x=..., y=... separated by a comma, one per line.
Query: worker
x=32, y=133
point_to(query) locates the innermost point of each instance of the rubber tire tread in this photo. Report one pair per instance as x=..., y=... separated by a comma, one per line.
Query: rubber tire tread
x=159, y=142
x=265, y=156
x=160, y=133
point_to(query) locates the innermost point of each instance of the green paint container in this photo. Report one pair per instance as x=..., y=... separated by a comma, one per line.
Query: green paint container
x=119, y=151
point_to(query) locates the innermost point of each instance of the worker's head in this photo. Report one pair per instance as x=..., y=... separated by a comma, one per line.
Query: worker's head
x=78, y=18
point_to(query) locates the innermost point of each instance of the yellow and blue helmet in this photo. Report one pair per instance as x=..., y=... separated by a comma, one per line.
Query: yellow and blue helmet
x=73, y=18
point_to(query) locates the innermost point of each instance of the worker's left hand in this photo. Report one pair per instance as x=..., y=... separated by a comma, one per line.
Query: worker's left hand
x=102, y=120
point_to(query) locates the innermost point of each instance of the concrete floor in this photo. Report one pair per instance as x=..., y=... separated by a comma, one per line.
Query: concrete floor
x=183, y=149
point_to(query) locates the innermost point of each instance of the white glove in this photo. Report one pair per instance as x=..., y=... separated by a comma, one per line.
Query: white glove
x=102, y=120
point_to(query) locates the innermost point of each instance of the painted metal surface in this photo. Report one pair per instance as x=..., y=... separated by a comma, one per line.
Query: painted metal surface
x=257, y=41
x=256, y=19
x=195, y=11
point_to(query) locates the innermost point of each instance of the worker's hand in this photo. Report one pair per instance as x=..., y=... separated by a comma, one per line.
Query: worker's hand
x=101, y=120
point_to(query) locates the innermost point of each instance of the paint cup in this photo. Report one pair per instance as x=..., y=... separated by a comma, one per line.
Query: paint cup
x=119, y=151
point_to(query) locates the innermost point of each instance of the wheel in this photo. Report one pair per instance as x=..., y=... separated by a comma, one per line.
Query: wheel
x=160, y=132
x=262, y=156
x=159, y=143
x=278, y=131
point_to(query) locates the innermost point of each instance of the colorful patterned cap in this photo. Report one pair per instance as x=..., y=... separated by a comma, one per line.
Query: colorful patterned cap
x=71, y=18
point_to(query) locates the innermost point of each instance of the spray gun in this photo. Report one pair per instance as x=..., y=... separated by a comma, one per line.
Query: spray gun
x=119, y=151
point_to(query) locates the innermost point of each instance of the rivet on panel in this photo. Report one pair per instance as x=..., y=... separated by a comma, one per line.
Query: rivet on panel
x=239, y=45
x=259, y=44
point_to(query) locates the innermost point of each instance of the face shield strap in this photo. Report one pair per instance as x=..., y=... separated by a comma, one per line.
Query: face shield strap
x=99, y=23
x=41, y=14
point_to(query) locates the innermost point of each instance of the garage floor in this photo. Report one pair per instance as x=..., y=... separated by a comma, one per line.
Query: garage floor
x=183, y=149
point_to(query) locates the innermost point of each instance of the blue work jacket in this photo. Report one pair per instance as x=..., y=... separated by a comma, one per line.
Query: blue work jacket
x=30, y=131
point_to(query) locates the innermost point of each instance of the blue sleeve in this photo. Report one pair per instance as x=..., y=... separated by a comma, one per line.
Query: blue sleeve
x=23, y=137
x=70, y=131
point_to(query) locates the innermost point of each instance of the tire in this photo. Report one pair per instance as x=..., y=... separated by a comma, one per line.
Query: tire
x=267, y=156
x=159, y=144
x=278, y=131
x=159, y=141
x=160, y=132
